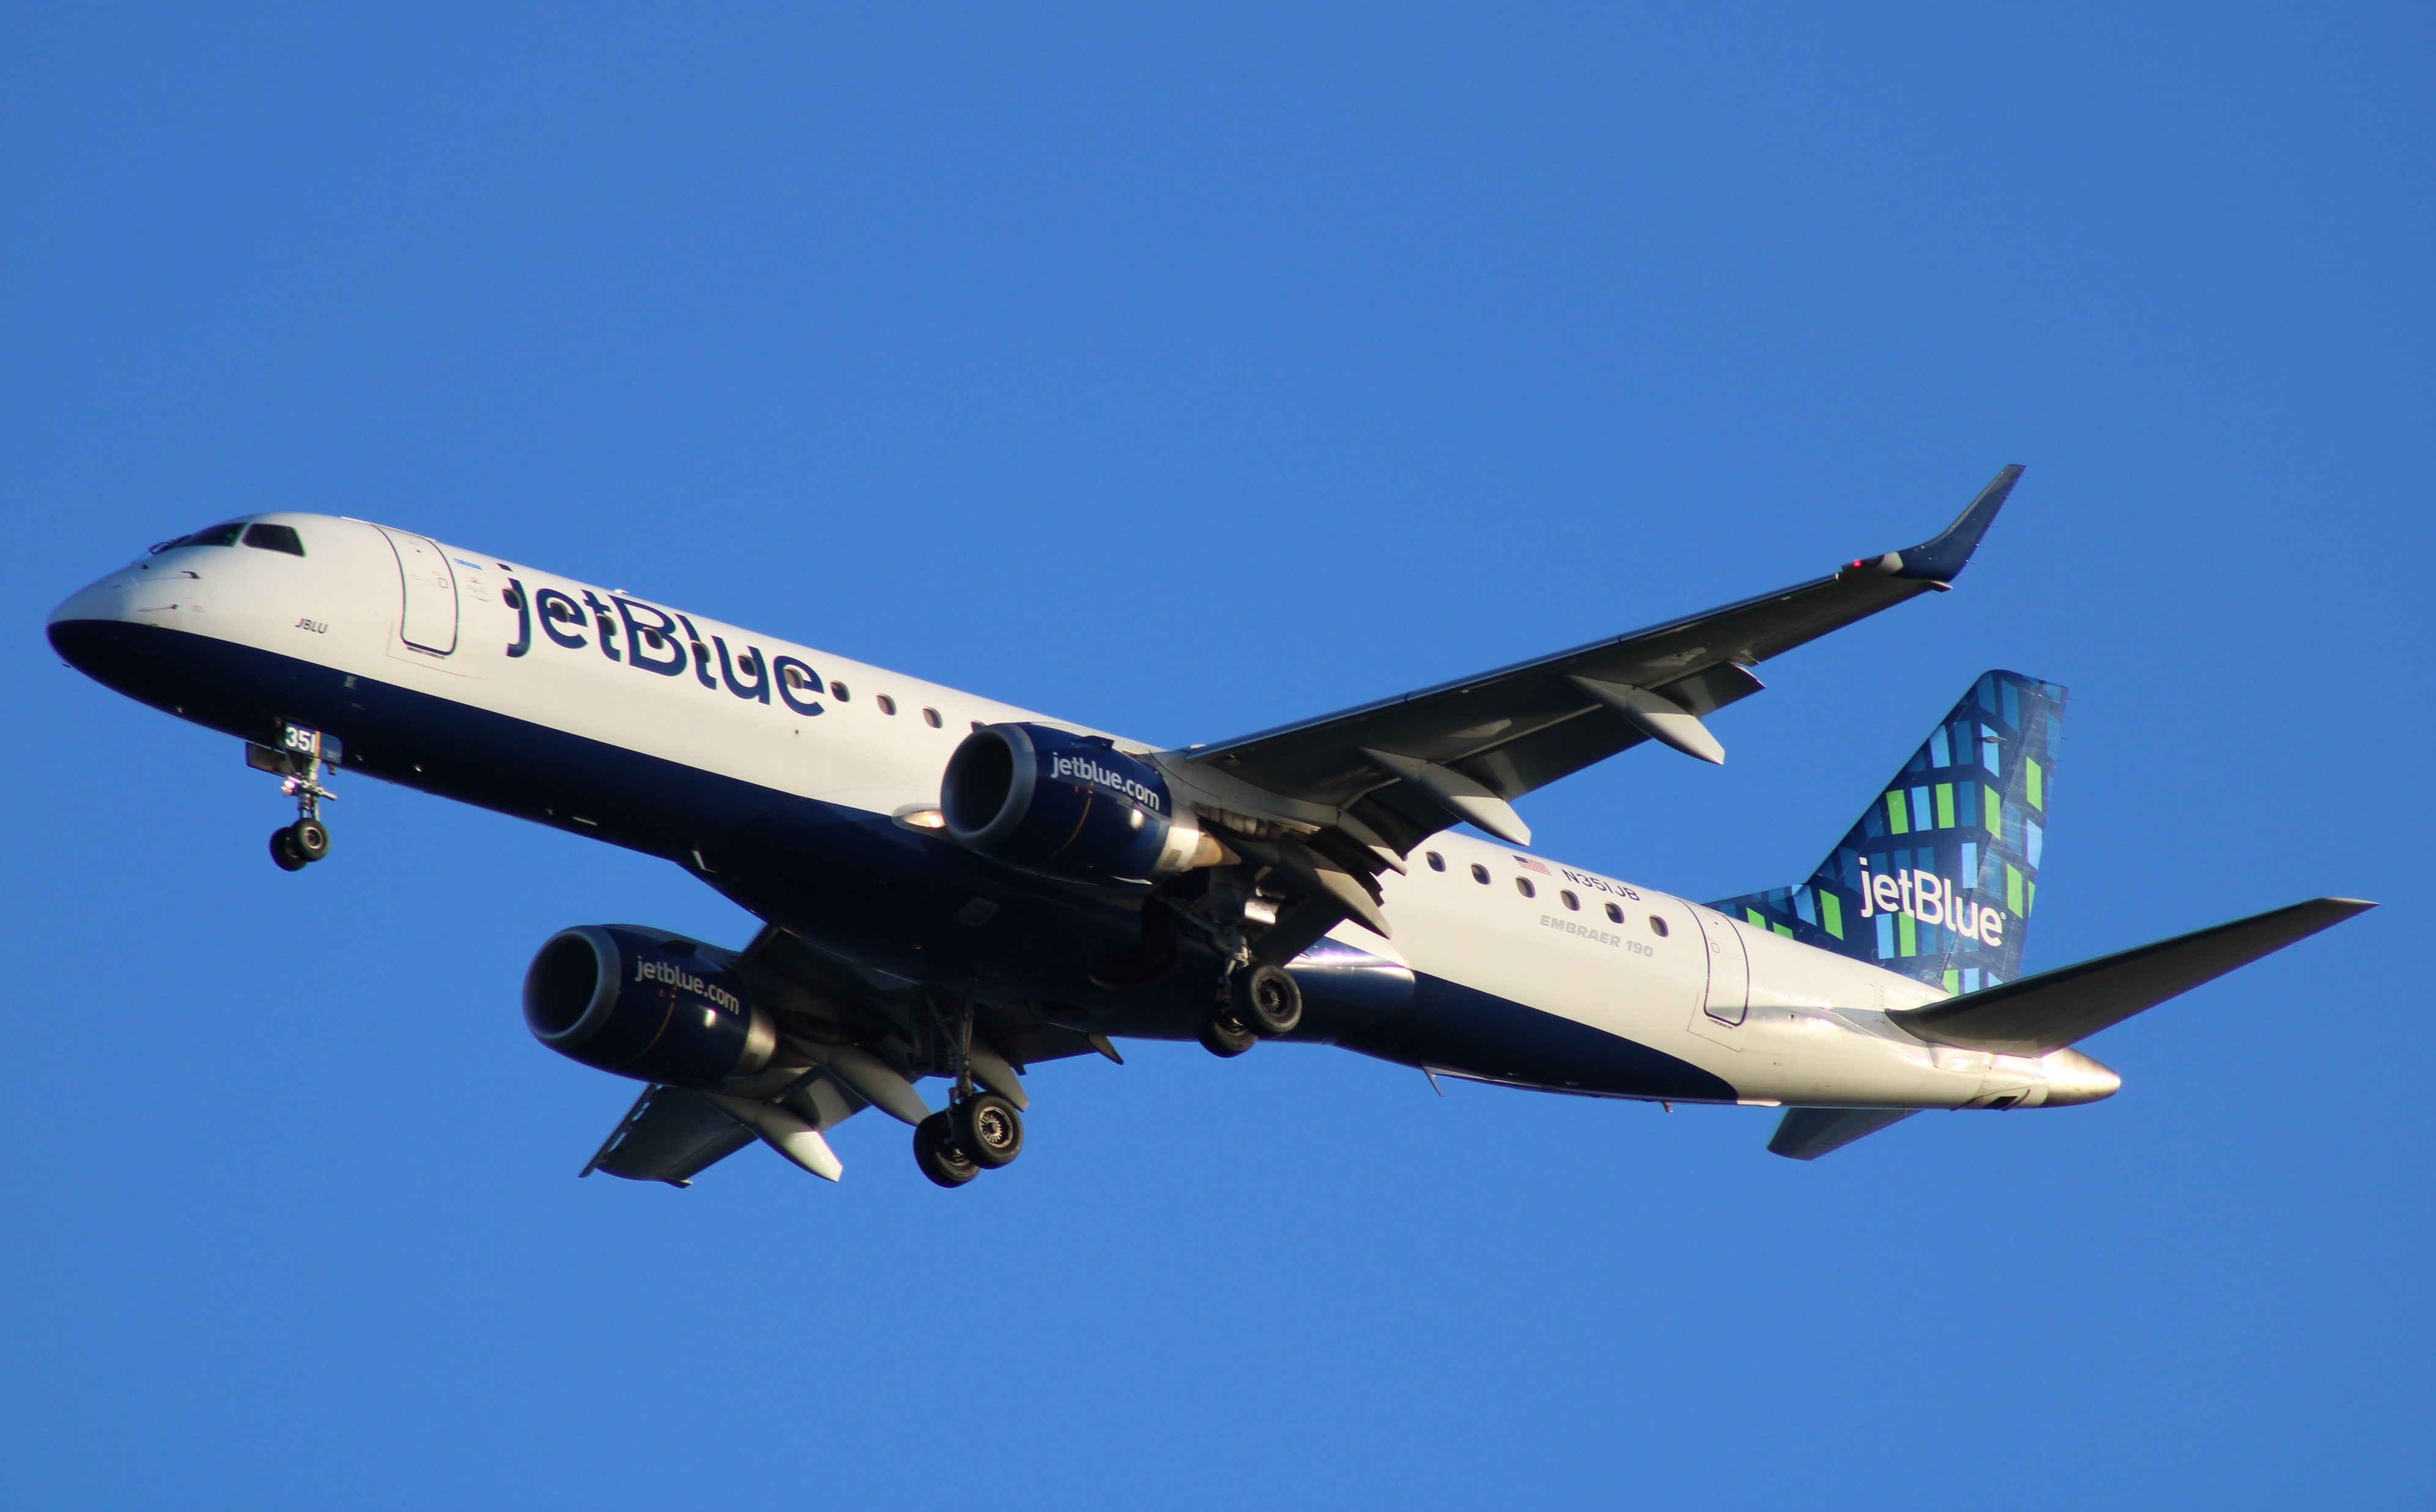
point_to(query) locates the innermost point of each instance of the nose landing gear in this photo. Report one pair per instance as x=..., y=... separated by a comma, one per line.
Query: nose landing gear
x=297, y=762
x=295, y=847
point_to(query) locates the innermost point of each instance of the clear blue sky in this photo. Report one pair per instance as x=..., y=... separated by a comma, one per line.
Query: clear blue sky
x=1187, y=376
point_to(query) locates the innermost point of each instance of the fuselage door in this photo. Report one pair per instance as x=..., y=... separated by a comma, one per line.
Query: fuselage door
x=430, y=619
x=1728, y=967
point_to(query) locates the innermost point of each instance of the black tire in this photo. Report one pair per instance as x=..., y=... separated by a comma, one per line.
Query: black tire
x=1266, y=1000
x=935, y=1152
x=283, y=850
x=990, y=1131
x=1224, y=1037
x=311, y=839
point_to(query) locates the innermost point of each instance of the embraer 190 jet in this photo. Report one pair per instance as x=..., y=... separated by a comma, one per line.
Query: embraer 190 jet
x=952, y=888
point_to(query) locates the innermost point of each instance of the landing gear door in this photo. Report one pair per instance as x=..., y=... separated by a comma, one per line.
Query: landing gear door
x=428, y=621
x=1728, y=998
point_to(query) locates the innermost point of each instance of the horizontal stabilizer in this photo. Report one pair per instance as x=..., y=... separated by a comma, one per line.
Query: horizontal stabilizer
x=1807, y=1133
x=2056, y=1008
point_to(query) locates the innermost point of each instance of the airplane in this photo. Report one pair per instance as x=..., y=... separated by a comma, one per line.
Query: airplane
x=952, y=888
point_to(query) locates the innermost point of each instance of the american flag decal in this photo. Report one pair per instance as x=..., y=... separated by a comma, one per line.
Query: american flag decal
x=1530, y=865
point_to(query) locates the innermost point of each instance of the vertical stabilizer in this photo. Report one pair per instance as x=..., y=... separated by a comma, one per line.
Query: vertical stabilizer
x=1938, y=878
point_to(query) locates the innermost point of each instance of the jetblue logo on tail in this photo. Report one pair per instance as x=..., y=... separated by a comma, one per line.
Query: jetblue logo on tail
x=1970, y=804
x=1930, y=898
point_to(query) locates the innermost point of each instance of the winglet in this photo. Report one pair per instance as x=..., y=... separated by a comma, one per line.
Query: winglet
x=1942, y=559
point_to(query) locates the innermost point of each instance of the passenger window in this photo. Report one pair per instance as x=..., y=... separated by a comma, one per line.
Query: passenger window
x=795, y=678
x=837, y=690
x=1614, y=914
x=1571, y=901
x=931, y=718
x=1658, y=925
x=1522, y=885
x=1480, y=874
x=276, y=538
x=887, y=704
x=1437, y=862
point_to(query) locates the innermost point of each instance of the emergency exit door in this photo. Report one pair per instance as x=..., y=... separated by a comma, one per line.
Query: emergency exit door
x=428, y=620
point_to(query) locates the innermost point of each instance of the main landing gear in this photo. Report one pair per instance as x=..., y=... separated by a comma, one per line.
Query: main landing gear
x=958, y=1142
x=297, y=762
x=976, y=1131
x=1254, y=1000
x=1254, y=1004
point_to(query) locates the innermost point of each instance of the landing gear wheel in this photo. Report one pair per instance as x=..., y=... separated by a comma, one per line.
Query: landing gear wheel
x=989, y=1130
x=310, y=837
x=1265, y=1000
x=935, y=1150
x=1224, y=1037
x=284, y=853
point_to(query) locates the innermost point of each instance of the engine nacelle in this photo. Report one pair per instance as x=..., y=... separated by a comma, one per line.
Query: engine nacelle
x=645, y=1004
x=1068, y=806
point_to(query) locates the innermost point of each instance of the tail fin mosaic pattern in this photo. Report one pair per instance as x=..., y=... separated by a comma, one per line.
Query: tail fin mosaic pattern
x=1938, y=878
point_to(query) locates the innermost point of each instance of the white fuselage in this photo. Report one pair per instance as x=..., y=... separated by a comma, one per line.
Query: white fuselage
x=1777, y=1022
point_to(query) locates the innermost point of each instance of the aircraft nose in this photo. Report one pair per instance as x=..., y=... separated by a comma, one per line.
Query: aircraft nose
x=104, y=599
x=92, y=623
x=2072, y=1077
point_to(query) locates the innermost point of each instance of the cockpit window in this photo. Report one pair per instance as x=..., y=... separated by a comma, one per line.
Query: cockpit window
x=276, y=538
x=221, y=534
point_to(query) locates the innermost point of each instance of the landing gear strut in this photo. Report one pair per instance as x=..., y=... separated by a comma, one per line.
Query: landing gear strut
x=976, y=1131
x=297, y=762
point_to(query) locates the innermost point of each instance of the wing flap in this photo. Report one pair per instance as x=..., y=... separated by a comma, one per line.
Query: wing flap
x=2053, y=1009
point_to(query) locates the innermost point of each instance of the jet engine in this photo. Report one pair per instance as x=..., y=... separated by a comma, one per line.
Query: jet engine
x=1070, y=806
x=642, y=1003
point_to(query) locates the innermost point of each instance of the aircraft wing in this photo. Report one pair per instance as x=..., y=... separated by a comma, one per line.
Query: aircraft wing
x=1407, y=767
x=851, y=1038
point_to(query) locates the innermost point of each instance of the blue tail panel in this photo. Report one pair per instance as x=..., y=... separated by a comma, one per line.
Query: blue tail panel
x=1938, y=878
